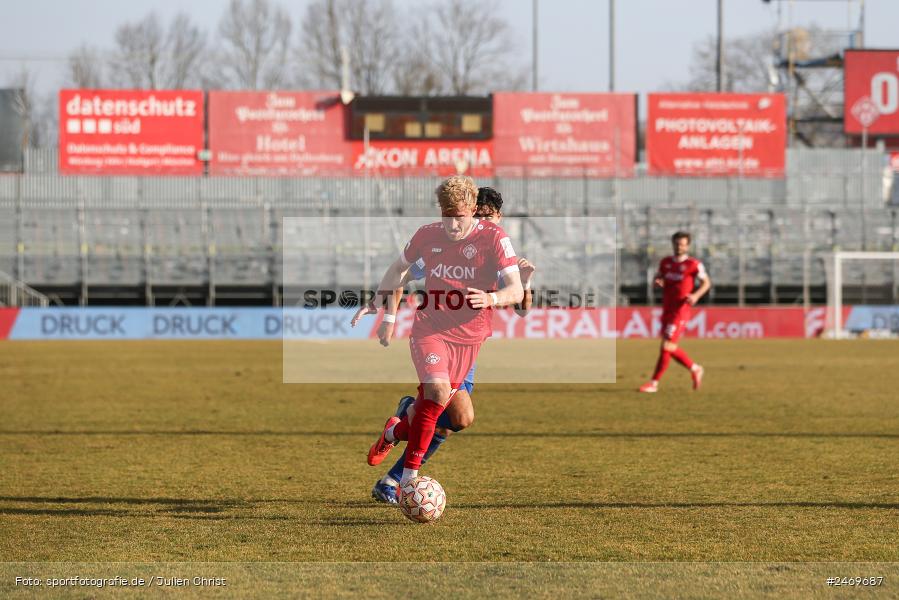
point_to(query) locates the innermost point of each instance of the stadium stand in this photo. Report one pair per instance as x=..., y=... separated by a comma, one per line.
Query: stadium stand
x=219, y=240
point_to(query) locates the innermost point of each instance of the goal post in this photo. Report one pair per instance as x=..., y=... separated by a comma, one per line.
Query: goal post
x=837, y=279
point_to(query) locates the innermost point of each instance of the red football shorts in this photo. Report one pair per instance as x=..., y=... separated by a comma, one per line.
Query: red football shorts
x=435, y=358
x=673, y=326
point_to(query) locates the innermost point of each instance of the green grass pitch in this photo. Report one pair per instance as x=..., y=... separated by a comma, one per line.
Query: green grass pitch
x=195, y=451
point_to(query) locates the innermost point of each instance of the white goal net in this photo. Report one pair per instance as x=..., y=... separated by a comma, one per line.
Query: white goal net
x=862, y=294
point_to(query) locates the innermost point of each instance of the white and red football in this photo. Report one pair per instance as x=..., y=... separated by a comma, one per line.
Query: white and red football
x=422, y=499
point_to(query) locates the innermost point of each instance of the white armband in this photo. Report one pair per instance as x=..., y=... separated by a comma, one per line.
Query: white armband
x=527, y=285
x=389, y=318
x=494, y=298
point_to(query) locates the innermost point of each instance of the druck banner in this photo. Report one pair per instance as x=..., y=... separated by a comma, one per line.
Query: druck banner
x=558, y=134
x=130, y=132
x=277, y=133
x=182, y=323
x=716, y=134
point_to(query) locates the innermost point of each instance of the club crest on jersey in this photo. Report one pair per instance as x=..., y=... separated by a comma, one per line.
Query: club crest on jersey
x=469, y=251
x=452, y=272
x=432, y=359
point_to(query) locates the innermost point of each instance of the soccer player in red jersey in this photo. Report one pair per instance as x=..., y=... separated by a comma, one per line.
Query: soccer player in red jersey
x=459, y=414
x=677, y=276
x=462, y=258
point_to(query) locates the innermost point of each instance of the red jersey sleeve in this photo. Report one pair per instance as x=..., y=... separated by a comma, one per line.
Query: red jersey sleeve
x=412, y=251
x=701, y=273
x=507, y=262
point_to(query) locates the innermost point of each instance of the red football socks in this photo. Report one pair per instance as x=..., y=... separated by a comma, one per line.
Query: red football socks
x=401, y=430
x=680, y=356
x=421, y=431
x=661, y=365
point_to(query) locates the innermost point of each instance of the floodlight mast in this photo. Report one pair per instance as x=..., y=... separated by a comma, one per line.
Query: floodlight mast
x=346, y=93
x=720, y=53
x=534, y=47
x=611, y=45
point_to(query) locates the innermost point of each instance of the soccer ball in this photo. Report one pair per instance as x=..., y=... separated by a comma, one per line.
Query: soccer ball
x=422, y=499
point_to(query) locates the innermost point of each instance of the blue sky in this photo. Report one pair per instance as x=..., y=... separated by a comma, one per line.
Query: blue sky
x=655, y=37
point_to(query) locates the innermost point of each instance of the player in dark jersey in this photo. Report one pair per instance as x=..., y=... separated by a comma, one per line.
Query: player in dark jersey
x=678, y=275
x=460, y=413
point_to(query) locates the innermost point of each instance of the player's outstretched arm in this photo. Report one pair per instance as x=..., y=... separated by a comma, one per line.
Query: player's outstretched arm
x=365, y=309
x=372, y=309
x=657, y=279
x=704, y=287
x=391, y=283
x=526, y=269
x=512, y=292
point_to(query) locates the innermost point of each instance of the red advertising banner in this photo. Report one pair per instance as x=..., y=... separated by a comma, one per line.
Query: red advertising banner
x=556, y=134
x=716, y=134
x=432, y=157
x=871, y=91
x=130, y=132
x=645, y=323
x=7, y=320
x=277, y=133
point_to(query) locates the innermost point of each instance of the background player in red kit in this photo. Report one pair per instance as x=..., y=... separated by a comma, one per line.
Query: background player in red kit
x=677, y=276
x=463, y=257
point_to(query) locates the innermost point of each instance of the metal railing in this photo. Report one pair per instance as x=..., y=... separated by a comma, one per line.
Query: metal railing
x=16, y=293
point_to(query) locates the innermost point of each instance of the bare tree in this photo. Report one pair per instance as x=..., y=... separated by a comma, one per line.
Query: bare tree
x=139, y=54
x=759, y=63
x=367, y=29
x=749, y=62
x=415, y=74
x=468, y=45
x=38, y=112
x=255, y=38
x=752, y=61
x=149, y=56
x=85, y=67
x=186, y=56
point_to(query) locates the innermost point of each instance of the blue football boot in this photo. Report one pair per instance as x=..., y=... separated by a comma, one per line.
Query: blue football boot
x=386, y=491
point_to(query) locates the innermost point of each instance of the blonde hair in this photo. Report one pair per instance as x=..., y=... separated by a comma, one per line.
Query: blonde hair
x=457, y=193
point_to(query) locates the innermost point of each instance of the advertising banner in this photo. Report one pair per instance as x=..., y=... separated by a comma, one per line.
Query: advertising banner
x=716, y=134
x=130, y=132
x=113, y=323
x=878, y=318
x=645, y=323
x=277, y=133
x=871, y=91
x=556, y=134
x=7, y=320
x=116, y=323
x=424, y=158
